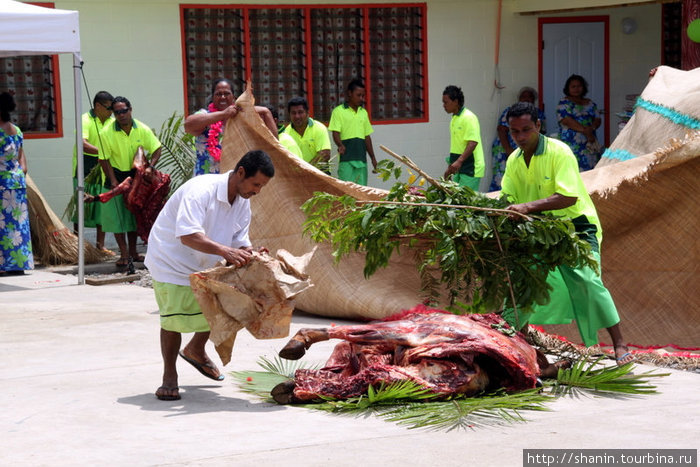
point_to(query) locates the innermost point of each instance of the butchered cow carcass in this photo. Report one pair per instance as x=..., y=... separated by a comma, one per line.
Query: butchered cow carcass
x=444, y=353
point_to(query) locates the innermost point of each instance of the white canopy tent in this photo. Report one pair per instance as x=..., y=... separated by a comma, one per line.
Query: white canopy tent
x=34, y=30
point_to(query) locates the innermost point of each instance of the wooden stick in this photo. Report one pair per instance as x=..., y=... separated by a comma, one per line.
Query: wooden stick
x=439, y=205
x=405, y=160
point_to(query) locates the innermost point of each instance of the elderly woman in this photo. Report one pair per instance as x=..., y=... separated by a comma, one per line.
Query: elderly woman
x=503, y=145
x=579, y=119
x=207, y=125
x=15, y=239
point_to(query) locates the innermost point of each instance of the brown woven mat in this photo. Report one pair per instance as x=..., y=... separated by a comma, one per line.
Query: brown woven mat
x=648, y=207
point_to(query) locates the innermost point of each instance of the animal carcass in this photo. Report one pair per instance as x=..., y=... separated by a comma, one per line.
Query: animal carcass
x=442, y=352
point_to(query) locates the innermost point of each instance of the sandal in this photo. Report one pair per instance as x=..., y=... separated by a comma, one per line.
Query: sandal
x=122, y=262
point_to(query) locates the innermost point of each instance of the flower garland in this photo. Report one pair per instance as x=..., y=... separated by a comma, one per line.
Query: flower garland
x=215, y=129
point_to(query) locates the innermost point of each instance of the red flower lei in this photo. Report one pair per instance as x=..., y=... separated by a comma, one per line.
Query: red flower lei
x=213, y=146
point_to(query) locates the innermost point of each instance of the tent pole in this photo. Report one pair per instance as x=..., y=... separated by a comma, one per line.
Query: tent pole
x=81, y=178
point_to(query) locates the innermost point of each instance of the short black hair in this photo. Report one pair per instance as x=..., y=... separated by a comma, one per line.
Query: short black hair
x=217, y=81
x=294, y=101
x=7, y=105
x=254, y=161
x=102, y=97
x=523, y=108
x=454, y=93
x=122, y=99
x=578, y=78
x=354, y=84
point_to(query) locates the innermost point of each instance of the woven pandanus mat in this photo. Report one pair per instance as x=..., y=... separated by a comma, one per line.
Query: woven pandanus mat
x=668, y=108
x=648, y=206
x=340, y=290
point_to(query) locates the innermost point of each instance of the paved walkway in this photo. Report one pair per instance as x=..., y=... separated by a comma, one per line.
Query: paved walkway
x=80, y=364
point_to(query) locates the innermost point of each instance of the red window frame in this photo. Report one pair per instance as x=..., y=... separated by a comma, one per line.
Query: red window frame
x=308, y=78
x=58, y=133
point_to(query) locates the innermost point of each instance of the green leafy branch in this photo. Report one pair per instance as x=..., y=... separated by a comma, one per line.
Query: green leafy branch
x=462, y=241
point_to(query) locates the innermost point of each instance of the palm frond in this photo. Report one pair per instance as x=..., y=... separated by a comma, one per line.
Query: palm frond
x=589, y=375
x=275, y=371
x=468, y=412
x=408, y=404
x=178, y=154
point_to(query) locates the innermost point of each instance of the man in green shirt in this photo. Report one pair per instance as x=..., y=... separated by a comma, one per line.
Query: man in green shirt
x=120, y=141
x=92, y=123
x=351, y=132
x=310, y=135
x=542, y=175
x=466, y=161
x=285, y=140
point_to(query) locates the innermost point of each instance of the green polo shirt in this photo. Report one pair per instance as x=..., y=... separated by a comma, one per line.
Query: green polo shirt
x=464, y=127
x=92, y=125
x=288, y=142
x=553, y=169
x=315, y=139
x=119, y=148
x=354, y=127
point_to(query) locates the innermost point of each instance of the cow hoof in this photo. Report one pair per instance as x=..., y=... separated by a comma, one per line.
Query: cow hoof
x=283, y=393
x=294, y=350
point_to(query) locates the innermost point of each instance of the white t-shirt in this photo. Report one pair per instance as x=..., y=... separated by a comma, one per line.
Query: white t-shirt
x=199, y=205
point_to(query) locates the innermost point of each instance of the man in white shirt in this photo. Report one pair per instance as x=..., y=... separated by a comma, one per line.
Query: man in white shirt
x=207, y=219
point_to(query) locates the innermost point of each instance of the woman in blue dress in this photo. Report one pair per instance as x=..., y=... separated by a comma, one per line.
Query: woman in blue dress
x=503, y=145
x=579, y=119
x=15, y=238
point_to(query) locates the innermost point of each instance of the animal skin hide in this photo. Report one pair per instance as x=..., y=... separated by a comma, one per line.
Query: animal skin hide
x=258, y=296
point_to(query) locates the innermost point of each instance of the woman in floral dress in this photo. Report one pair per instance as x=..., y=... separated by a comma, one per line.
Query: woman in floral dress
x=15, y=239
x=503, y=145
x=578, y=121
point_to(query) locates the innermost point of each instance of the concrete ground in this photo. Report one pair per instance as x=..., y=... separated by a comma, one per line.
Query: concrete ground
x=80, y=364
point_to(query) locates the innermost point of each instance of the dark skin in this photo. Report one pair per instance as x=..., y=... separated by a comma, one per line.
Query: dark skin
x=170, y=341
x=103, y=110
x=525, y=133
x=575, y=94
x=300, y=119
x=122, y=114
x=355, y=100
x=453, y=107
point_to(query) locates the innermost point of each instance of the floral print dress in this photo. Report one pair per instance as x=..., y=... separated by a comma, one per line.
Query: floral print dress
x=498, y=152
x=583, y=114
x=205, y=164
x=15, y=238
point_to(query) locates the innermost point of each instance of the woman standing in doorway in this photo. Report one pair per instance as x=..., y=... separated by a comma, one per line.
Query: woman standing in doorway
x=579, y=119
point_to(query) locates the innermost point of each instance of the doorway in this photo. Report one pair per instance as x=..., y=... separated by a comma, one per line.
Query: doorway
x=571, y=45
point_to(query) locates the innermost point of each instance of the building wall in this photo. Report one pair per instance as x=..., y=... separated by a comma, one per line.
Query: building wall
x=132, y=48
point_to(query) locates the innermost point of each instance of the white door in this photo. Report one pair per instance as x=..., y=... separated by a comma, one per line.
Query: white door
x=574, y=48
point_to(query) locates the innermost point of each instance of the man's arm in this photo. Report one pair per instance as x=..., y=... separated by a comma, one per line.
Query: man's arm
x=338, y=142
x=89, y=148
x=552, y=203
x=200, y=242
x=370, y=151
x=454, y=167
x=109, y=172
x=266, y=116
